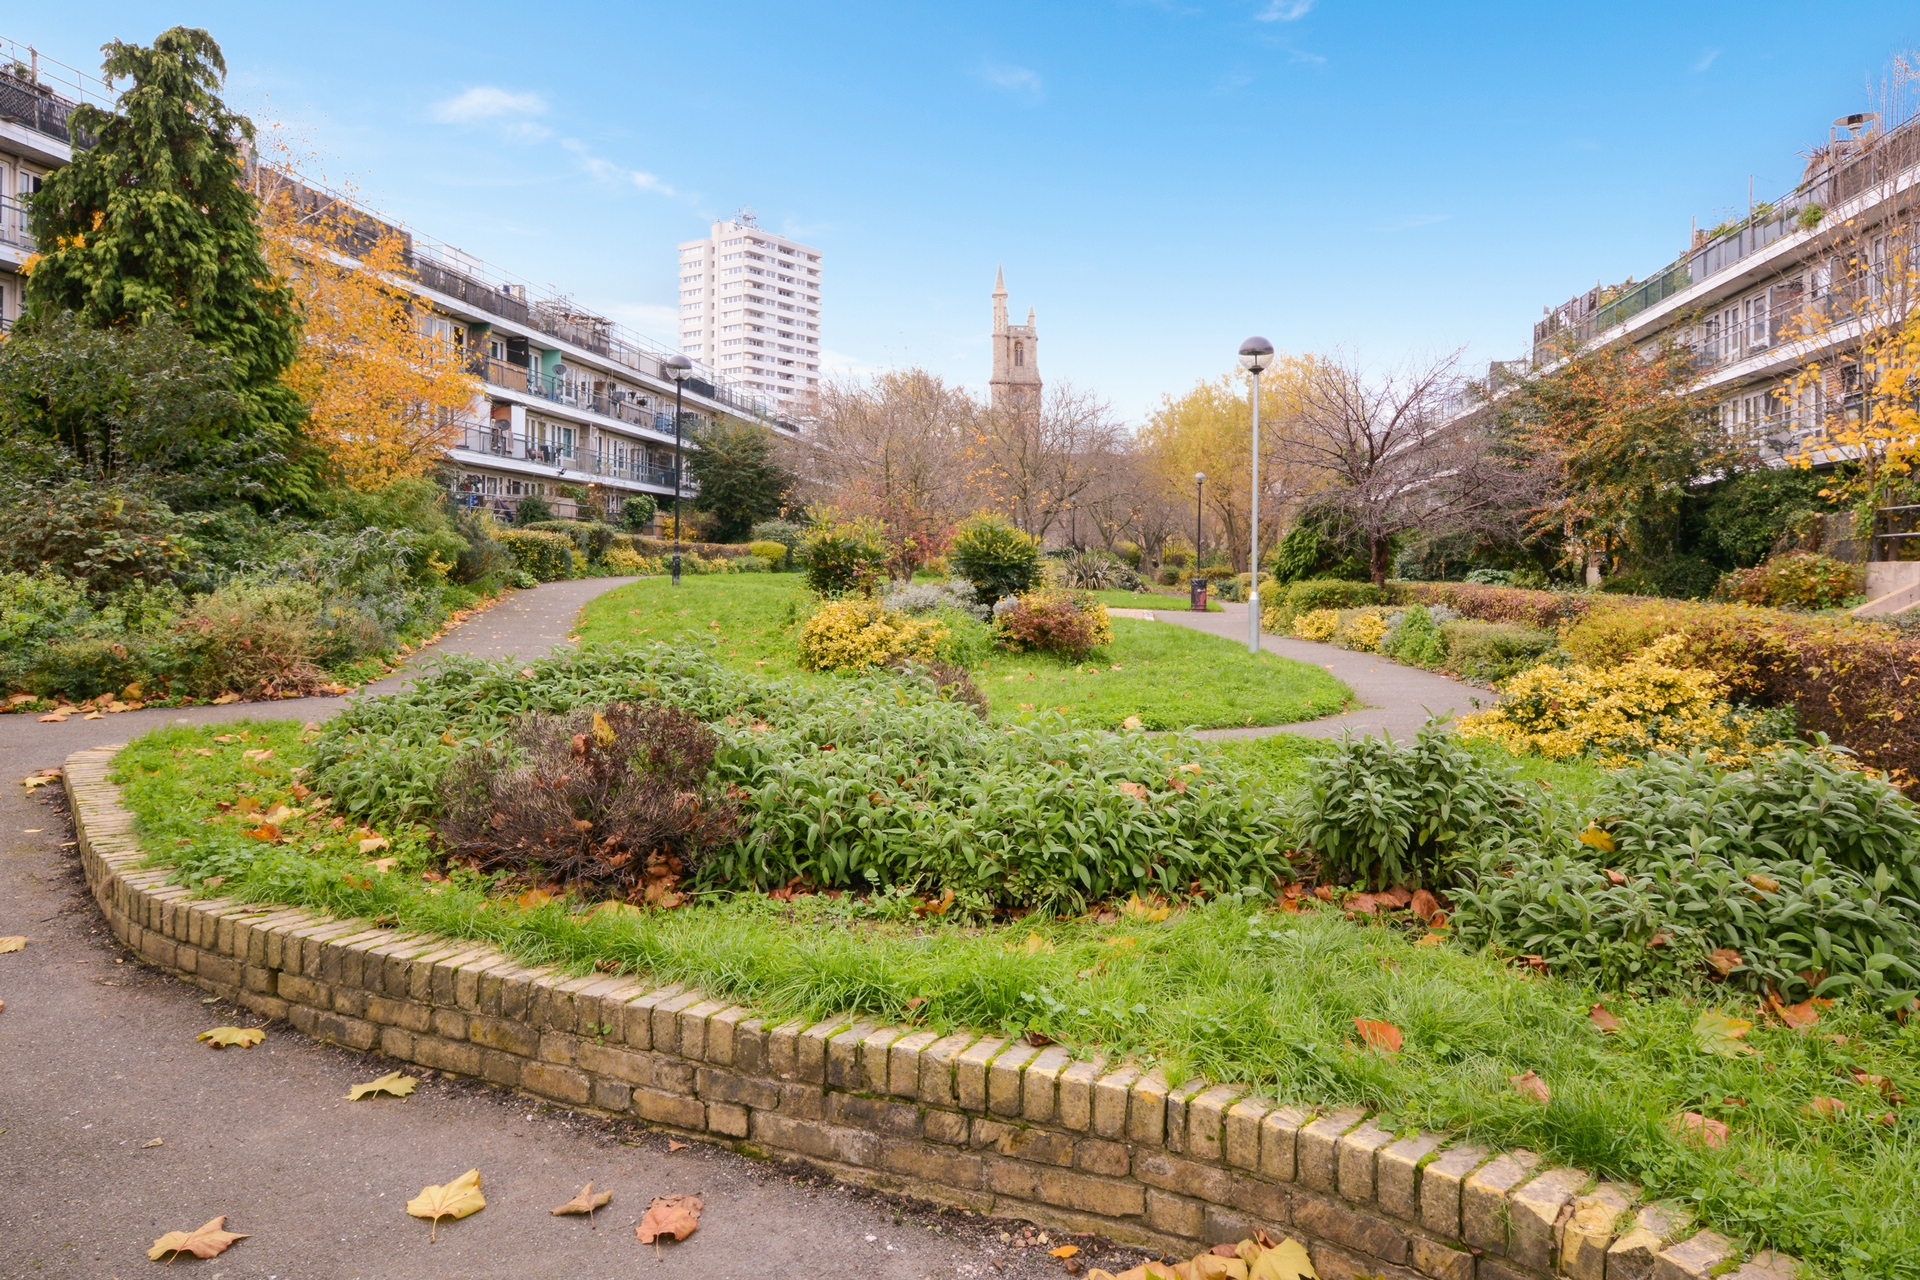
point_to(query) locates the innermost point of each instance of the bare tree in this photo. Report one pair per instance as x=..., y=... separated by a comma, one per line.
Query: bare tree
x=1040, y=463
x=1395, y=457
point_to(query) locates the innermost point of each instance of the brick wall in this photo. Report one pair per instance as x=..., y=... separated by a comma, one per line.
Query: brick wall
x=1001, y=1127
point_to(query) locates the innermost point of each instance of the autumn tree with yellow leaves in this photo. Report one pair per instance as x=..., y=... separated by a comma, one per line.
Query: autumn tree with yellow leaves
x=385, y=396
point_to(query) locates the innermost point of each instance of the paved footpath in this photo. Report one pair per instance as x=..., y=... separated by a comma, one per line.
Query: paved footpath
x=98, y=1059
x=1395, y=700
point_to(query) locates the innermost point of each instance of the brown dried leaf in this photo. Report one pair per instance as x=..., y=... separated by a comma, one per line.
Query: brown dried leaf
x=1698, y=1128
x=1602, y=1019
x=1383, y=1036
x=585, y=1202
x=1426, y=906
x=673, y=1146
x=1724, y=960
x=208, y=1241
x=1825, y=1108
x=1532, y=1086
x=676, y=1216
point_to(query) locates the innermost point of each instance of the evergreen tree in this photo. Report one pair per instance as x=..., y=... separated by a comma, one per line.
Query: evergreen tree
x=741, y=479
x=152, y=221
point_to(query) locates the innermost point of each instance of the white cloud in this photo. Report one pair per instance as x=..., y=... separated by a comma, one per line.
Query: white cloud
x=1283, y=11
x=608, y=171
x=1706, y=59
x=485, y=102
x=1016, y=80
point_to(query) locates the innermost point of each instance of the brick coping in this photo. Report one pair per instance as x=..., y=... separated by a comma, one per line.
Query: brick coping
x=996, y=1126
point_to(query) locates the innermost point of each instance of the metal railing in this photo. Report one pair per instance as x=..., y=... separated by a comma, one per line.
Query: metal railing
x=621, y=406
x=504, y=443
x=13, y=224
x=1896, y=533
x=36, y=106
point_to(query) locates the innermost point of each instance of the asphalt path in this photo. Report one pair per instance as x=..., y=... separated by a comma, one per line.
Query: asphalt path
x=98, y=1060
x=1396, y=700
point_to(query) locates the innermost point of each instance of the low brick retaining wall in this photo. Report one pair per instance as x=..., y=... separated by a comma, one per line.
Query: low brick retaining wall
x=997, y=1126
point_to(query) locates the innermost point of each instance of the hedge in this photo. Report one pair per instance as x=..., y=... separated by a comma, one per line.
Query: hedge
x=547, y=556
x=1858, y=683
x=1543, y=609
x=651, y=546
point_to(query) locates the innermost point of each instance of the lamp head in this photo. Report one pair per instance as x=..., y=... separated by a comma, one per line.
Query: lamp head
x=1256, y=353
x=677, y=367
x=1199, y=477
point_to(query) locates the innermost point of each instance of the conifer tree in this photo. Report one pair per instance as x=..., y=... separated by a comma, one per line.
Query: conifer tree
x=152, y=221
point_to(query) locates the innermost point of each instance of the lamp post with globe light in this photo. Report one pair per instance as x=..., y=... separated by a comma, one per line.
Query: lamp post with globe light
x=679, y=368
x=1256, y=354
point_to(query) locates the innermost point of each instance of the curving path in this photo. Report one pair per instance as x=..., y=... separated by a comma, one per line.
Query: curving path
x=1396, y=699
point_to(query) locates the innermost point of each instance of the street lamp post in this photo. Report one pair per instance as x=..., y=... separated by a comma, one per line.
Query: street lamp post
x=1199, y=489
x=679, y=368
x=1255, y=355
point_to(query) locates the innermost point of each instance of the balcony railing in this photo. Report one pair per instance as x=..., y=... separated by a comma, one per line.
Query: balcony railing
x=504, y=443
x=634, y=465
x=13, y=224
x=620, y=406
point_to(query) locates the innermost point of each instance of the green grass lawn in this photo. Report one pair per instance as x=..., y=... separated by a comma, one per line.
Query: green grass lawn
x=1170, y=677
x=1229, y=988
x=1157, y=600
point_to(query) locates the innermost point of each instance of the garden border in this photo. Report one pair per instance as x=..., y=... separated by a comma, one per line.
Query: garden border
x=1000, y=1127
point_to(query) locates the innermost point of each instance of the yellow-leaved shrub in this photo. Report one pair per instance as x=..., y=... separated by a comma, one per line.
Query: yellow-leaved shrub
x=1617, y=712
x=1361, y=629
x=846, y=635
x=1317, y=624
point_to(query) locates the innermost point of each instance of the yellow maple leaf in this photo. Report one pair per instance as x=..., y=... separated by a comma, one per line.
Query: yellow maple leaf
x=457, y=1199
x=392, y=1082
x=224, y=1037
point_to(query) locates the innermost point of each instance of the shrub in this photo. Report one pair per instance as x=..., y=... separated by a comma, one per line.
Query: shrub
x=532, y=509
x=847, y=635
x=784, y=532
x=638, y=511
x=1361, y=629
x=1098, y=571
x=1494, y=650
x=774, y=553
x=842, y=556
x=951, y=681
x=1062, y=622
x=917, y=790
x=34, y=607
x=590, y=538
x=1619, y=712
x=968, y=642
x=614, y=802
x=1331, y=593
x=547, y=556
x=921, y=598
x=1417, y=639
x=102, y=535
x=484, y=559
x=1798, y=579
x=998, y=559
x=1317, y=624
x=1389, y=815
x=1542, y=609
x=1679, y=577
x=1852, y=681
x=256, y=641
x=630, y=563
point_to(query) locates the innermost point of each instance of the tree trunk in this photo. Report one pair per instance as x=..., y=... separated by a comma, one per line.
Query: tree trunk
x=1378, y=549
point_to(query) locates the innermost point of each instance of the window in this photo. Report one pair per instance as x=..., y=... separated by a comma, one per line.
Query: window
x=1019, y=354
x=1757, y=322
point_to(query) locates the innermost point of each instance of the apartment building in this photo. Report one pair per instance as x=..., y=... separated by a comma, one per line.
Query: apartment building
x=36, y=96
x=750, y=309
x=1793, y=286
x=569, y=402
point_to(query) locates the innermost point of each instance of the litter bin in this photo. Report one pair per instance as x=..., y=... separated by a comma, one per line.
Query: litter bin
x=1199, y=590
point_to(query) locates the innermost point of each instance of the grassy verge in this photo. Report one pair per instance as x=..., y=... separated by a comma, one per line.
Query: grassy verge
x=1175, y=600
x=1170, y=677
x=1230, y=989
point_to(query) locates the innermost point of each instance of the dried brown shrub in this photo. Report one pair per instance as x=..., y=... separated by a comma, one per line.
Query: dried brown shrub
x=954, y=683
x=612, y=802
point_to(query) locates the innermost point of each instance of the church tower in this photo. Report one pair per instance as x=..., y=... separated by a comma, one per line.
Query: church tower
x=1016, y=355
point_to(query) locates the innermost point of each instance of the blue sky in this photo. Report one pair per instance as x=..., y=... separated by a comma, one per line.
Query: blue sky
x=1158, y=179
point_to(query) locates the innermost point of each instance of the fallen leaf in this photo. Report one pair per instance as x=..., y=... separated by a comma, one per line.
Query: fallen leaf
x=586, y=1202
x=1798, y=1016
x=676, y=1216
x=1724, y=960
x=1064, y=1251
x=370, y=842
x=224, y=1037
x=1532, y=964
x=1035, y=944
x=457, y=1199
x=1131, y=722
x=1602, y=1019
x=265, y=831
x=1383, y=1036
x=1825, y=1108
x=1595, y=838
x=533, y=898
x=1426, y=906
x=1716, y=1033
x=208, y=1241
x=392, y=1082
x=39, y=780
x=1615, y=877
x=1287, y=1260
x=1696, y=1127
x=258, y=753
x=673, y=1146
x=1532, y=1086
x=1765, y=884
x=15, y=943
x=225, y=699
x=154, y=1143
x=1149, y=911
x=384, y=865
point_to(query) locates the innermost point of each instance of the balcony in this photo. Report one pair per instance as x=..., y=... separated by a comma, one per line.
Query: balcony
x=37, y=107
x=501, y=442
x=620, y=406
x=13, y=225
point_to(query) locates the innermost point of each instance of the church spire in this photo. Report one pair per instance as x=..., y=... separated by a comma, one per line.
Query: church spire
x=1000, y=300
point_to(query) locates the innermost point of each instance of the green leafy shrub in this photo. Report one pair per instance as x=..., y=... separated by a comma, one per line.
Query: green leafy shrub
x=774, y=553
x=1071, y=624
x=1417, y=640
x=998, y=559
x=1331, y=593
x=256, y=641
x=842, y=556
x=102, y=535
x=1495, y=650
x=34, y=608
x=637, y=512
x=590, y=538
x=547, y=556
x=1676, y=577
x=1387, y=815
x=1795, y=579
x=872, y=780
